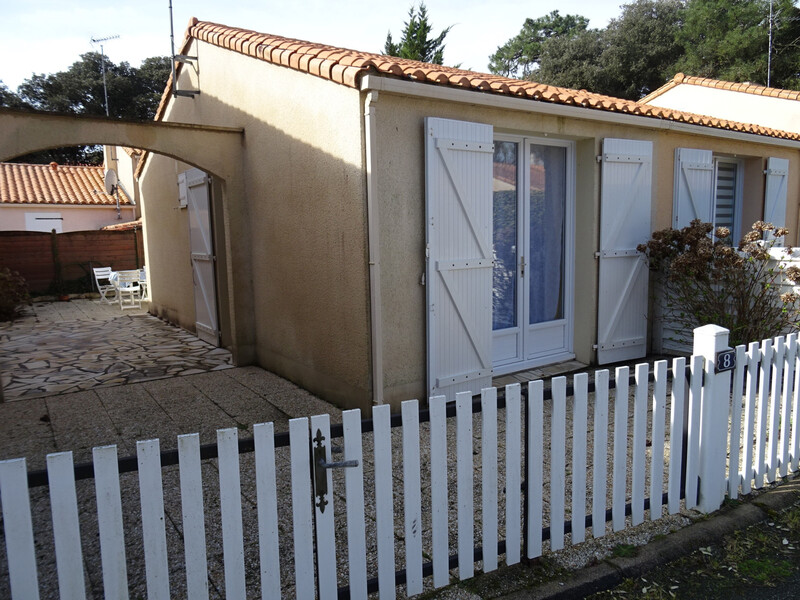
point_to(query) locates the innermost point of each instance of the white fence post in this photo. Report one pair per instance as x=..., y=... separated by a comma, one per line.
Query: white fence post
x=709, y=340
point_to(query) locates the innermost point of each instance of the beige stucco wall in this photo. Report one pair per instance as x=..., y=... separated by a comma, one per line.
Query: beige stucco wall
x=166, y=236
x=302, y=233
x=304, y=228
x=400, y=180
x=75, y=218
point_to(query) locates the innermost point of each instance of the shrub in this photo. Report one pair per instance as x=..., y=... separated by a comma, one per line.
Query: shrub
x=13, y=293
x=705, y=280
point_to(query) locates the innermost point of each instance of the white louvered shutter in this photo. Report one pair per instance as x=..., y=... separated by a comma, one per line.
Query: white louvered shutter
x=775, y=191
x=694, y=187
x=202, y=255
x=625, y=206
x=458, y=192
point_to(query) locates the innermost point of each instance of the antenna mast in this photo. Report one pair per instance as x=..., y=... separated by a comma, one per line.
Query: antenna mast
x=181, y=58
x=769, y=51
x=103, y=64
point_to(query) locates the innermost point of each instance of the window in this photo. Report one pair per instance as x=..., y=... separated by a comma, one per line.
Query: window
x=43, y=221
x=533, y=199
x=728, y=195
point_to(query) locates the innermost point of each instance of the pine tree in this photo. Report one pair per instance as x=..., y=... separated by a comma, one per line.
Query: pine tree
x=416, y=42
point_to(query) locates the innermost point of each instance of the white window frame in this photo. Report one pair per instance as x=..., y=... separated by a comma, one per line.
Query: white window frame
x=526, y=359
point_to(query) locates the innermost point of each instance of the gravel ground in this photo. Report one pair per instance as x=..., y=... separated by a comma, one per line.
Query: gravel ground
x=571, y=558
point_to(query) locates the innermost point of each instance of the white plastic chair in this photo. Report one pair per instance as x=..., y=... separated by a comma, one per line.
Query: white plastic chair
x=144, y=284
x=127, y=286
x=104, y=274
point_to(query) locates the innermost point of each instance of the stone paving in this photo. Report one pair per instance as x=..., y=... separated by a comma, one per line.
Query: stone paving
x=63, y=347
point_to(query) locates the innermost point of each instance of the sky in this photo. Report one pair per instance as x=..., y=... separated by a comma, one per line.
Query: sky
x=47, y=36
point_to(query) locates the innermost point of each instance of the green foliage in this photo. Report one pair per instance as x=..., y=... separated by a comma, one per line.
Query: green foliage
x=9, y=99
x=519, y=57
x=13, y=294
x=764, y=570
x=629, y=58
x=729, y=39
x=705, y=280
x=625, y=550
x=641, y=47
x=652, y=40
x=416, y=42
x=132, y=94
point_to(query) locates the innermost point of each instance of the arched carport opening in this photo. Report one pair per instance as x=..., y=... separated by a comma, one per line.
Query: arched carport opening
x=214, y=150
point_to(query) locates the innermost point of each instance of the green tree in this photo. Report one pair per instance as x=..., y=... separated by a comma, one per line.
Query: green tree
x=417, y=42
x=9, y=99
x=628, y=59
x=519, y=57
x=641, y=47
x=132, y=93
x=729, y=40
x=574, y=62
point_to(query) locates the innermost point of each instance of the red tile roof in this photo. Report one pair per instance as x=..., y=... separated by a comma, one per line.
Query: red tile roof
x=55, y=184
x=347, y=67
x=745, y=88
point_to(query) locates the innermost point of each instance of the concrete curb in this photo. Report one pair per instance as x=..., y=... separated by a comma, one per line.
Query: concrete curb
x=684, y=541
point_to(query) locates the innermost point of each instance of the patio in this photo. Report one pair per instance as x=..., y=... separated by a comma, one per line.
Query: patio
x=61, y=347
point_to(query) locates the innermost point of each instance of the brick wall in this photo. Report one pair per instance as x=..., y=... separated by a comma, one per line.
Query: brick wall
x=32, y=255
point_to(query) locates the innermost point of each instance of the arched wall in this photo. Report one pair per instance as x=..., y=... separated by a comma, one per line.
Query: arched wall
x=26, y=132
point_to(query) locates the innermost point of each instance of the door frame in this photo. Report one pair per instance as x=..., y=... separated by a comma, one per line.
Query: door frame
x=526, y=357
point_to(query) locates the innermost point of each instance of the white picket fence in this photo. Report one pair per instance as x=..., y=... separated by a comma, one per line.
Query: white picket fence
x=416, y=489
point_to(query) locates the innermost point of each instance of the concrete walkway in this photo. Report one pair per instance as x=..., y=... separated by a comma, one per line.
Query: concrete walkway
x=166, y=383
x=81, y=374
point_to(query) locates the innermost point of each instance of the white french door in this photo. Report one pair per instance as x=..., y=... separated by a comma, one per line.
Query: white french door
x=533, y=242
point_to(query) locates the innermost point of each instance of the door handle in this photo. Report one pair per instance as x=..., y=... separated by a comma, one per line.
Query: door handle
x=321, y=465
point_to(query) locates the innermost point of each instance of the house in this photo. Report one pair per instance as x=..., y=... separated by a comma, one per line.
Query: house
x=746, y=102
x=59, y=197
x=409, y=229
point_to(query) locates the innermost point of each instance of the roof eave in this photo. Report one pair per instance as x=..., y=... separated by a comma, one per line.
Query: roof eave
x=379, y=83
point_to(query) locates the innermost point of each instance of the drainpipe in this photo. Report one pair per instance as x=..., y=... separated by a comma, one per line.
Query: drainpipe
x=373, y=225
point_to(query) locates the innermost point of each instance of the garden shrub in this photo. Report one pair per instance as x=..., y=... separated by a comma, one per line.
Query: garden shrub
x=13, y=293
x=705, y=280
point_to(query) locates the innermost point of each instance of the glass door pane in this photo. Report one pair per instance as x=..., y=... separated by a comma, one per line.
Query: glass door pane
x=504, y=295
x=547, y=206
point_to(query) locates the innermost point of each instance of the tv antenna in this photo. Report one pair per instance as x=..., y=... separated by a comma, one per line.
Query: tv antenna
x=103, y=64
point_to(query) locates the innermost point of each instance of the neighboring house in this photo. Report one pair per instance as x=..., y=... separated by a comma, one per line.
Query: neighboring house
x=410, y=229
x=58, y=197
x=745, y=102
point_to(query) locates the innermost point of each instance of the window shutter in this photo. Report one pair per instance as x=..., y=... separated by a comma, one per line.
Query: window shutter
x=775, y=191
x=625, y=207
x=694, y=186
x=458, y=192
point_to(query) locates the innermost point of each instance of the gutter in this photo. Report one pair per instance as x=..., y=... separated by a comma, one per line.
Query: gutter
x=434, y=92
x=374, y=247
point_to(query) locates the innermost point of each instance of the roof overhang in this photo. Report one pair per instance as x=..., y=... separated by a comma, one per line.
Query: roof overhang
x=391, y=85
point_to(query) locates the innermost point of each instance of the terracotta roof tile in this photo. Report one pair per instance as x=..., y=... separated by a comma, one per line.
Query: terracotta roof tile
x=55, y=184
x=745, y=88
x=327, y=62
x=129, y=226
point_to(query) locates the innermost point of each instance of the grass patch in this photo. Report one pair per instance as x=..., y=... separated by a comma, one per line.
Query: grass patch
x=625, y=551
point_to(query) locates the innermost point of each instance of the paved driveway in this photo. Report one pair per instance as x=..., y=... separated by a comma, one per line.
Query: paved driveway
x=80, y=374
x=59, y=347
